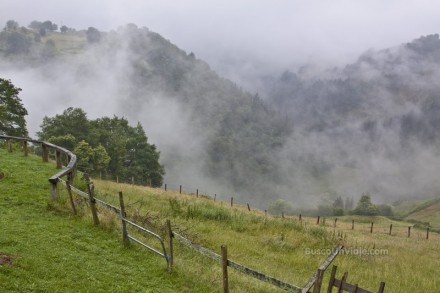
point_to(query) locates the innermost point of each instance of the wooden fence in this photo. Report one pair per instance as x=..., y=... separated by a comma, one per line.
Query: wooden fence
x=69, y=172
x=400, y=230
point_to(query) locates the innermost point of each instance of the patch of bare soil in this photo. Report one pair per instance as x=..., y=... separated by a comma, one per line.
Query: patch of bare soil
x=6, y=259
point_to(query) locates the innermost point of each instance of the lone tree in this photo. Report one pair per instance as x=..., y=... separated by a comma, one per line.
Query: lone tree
x=12, y=111
x=93, y=35
x=365, y=207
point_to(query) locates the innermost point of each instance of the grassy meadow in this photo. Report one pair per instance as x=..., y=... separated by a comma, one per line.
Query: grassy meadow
x=51, y=247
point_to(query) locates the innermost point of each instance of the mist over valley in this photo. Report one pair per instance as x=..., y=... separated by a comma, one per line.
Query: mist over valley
x=300, y=135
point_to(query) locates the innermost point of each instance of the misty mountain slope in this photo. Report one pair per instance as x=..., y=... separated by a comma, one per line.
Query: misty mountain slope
x=372, y=126
x=379, y=116
x=211, y=134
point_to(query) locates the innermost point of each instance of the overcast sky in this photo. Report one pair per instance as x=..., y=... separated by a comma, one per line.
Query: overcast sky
x=273, y=33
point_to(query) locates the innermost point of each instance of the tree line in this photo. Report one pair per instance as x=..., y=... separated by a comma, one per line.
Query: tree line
x=107, y=146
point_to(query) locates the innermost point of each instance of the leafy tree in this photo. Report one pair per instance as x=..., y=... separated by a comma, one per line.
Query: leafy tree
x=385, y=210
x=67, y=141
x=338, y=207
x=11, y=25
x=12, y=111
x=84, y=154
x=93, y=35
x=101, y=159
x=73, y=121
x=348, y=204
x=17, y=43
x=280, y=206
x=64, y=29
x=365, y=207
x=108, y=145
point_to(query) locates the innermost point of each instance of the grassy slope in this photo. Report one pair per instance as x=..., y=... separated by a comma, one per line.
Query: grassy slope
x=55, y=252
x=425, y=210
x=411, y=265
x=273, y=246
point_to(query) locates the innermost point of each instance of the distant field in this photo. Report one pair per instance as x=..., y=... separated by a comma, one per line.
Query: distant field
x=50, y=246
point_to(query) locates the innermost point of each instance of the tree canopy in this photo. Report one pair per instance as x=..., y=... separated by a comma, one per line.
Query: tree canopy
x=12, y=111
x=105, y=145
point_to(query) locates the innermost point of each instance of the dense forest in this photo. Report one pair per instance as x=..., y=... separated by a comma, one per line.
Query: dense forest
x=371, y=126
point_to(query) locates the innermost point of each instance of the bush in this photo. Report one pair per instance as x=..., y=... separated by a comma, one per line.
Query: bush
x=365, y=207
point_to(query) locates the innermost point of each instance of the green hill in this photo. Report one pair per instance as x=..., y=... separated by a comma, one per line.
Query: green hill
x=52, y=250
x=423, y=212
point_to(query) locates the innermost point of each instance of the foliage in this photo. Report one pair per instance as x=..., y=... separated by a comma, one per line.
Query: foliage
x=385, y=210
x=280, y=206
x=93, y=35
x=338, y=207
x=12, y=111
x=106, y=145
x=365, y=207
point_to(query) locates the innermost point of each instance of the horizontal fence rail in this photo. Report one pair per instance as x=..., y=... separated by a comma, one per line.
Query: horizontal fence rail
x=68, y=170
x=241, y=268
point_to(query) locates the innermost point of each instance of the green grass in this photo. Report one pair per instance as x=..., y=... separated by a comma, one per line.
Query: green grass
x=69, y=248
x=53, y=251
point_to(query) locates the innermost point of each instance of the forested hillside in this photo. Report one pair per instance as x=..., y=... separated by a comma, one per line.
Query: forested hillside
x=210, y=132
x=371, y=126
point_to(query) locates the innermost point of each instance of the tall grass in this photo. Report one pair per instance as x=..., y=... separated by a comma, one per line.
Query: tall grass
x=279, y=247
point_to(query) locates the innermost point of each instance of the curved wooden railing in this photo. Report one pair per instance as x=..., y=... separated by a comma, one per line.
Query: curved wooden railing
x=69, y=170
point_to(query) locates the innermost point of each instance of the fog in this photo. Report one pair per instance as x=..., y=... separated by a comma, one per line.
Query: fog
x=244, y=38
x=249, y=41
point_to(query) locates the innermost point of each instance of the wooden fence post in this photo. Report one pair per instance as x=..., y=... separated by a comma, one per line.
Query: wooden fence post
x=165, y=186
x=318, y=281
x=58, y=159
x=427, y=233
x=92, y=201
x=232, y=201
x=371, y=228
x=9, y=145
x=225, y=268
x=215, y=196
x=336, y=220
x=300, y=217
x=170, y=242
x=317, y=221
x=69, y=191
x=25, y=148
x=249, y=208
x=409, y=231
x=352, y=224
x=45, y=153
x=391, y=228
x=53, y=190
x=125, y=239
x=180, y=189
